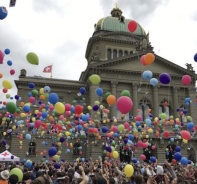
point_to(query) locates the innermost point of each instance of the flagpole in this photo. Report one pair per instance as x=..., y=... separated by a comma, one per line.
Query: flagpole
x=51, y=70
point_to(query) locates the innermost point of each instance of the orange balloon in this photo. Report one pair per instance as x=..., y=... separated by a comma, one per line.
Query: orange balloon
x=149, y=58
x=22, y=104
x=42, y=97
x=1, y=75
x=111, y=99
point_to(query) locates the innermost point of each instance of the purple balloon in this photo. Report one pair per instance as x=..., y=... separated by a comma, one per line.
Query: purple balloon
x=164, y=78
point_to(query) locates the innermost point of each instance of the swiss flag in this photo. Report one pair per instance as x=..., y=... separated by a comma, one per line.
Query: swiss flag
x=48, y=69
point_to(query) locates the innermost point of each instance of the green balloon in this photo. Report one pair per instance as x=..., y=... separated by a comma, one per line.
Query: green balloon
x=11, y=107
x=32, y=58
x=107, y=94
x=7, y=95
x=34, y=92
x=95, y=79
x=126, y=93
x=17, y=172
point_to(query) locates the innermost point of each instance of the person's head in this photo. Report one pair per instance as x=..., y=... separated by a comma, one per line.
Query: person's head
x=138, y=179
x=26, y=176
x=41, y=180
x=111, y=181
x=4, y=174
x=160, y=170
x=13, y=179
x=36, y=168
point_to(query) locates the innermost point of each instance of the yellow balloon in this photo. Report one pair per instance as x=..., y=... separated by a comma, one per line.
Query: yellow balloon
x=41, y=91
x=7, y=84
x=185, y=141
x=59, y=107
x=13, y=127
x=89, y=108
x=95, y=79
x=128, y=170
x=4, y=133
x=115, y=154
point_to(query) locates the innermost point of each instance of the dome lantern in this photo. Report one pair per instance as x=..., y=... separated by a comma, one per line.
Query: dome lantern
x=116, y=12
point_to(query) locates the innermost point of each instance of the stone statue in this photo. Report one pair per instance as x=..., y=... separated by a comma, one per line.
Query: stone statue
x=189, y=67
x=23, y=73
x=95, y=56
x=144, y=44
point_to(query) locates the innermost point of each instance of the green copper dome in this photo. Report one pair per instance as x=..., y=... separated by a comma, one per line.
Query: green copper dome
x=116, y=22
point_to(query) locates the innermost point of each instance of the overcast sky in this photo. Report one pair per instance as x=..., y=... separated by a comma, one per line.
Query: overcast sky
x=58, y=32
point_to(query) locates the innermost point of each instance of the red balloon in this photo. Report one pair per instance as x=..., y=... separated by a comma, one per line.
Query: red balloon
x=78, y=109
x=132, y=26
x=185, y=135
x=1, y=57
x=166, y=134
x=37, y=123
x=12, y=71
x=142, y=61
x=5, y=90
x=186, y=80
x=124, y=104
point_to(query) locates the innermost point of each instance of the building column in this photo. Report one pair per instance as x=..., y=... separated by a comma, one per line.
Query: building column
x=192, y=106
x=135, y=100
x=175, y=100
x=155, y=102
x=113, y=92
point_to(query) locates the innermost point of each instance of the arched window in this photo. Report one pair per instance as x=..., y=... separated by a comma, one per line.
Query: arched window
x=143, y=107
x=170, y=152
x=125, y=53
x=120, y=53
x=164, y=107
x=108, y=53
x=131, y=52
x=114, y=54
x=32, y=148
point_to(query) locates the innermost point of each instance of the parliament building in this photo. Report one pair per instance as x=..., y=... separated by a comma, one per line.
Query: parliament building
x=114, y=53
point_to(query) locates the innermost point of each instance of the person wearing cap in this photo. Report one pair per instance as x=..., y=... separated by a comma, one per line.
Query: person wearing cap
x=4, y=177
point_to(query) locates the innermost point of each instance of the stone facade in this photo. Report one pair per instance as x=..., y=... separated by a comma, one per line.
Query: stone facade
x=114, y=56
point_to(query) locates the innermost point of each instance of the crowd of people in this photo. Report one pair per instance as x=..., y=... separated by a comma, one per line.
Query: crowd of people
x=99, y=172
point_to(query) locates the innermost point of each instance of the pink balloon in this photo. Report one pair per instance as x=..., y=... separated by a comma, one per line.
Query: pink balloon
x=126, y=125
x=186, y=80
x=12, y=71
x=114, y=128
x=67, y=107
x=138, y=118
x=37, y=123
x=67, y=113
x=124, y=104
x=1, y=57
x=139, y=144
x=144, y=145
x=31, y=99
x=143, y=157
x=142, y=61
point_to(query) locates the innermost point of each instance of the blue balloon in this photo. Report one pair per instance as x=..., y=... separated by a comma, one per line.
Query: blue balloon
x=184, y=161
x=137, y=123
x=9, y=63
x=134, y=160
x=44, y=115
x=82, y=90
x=153, y=159
x=29, y=94
x=185, y=111
x=28, y=136
x=52, y=151
x=3, y=12
x=26, y=108
x=177, y=156
x=164, y=78
x=99, y=91
x=153, y=81
x=31, y=85
x=148, y=122
x=147, y=75
x=53, y=98
x=24, y=160
x=79, y=127
x=28, y=164
x=104, y=129
x=130, y=137
x=187, y=100
x=195, y=57
x=172, y=139
x=47, y=89
x=190, y=125
x=85, y=117
x=7, y=51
